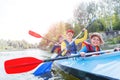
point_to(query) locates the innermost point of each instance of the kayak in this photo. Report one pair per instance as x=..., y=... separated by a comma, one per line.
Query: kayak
x=101, y=67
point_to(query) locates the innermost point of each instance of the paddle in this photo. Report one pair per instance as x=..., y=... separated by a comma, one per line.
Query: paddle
x=25, y=64
x=34, y=34
x=47, y=66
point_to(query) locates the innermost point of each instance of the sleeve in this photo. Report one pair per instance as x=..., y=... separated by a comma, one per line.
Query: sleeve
x=84, y=49
x=63, y=47
x=77, y=41
x=53, y=49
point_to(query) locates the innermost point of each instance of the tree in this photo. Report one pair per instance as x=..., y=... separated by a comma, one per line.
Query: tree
x=104, y=11
x=54, y=32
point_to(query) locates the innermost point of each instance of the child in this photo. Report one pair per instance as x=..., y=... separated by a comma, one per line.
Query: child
x=71, y=48
x=95, y=41
x=57, y=46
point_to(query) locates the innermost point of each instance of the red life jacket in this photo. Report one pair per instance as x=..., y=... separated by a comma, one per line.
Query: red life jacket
x=56, y=49
x=89, y=47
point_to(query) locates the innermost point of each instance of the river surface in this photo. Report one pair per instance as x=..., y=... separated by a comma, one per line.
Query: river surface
x=4, y=56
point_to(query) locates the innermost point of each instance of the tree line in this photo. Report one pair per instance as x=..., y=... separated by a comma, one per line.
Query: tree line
x=15, y=45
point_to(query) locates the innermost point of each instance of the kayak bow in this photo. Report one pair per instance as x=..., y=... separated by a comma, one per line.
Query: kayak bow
x=102, y=67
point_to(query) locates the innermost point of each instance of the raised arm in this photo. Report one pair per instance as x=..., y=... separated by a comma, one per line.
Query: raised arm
x=77, y=41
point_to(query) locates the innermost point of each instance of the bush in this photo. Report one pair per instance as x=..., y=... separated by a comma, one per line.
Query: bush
x=114, y=40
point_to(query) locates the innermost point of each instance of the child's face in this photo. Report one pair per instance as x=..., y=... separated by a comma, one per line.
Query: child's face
x=69, y=35
x=60, y=39
x=95, y=41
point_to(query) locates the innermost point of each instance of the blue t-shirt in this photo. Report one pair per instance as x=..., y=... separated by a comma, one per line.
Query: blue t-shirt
x=85, y=49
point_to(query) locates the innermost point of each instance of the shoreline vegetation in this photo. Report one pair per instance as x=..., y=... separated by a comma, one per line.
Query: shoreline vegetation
x=8, y=45
x=13, y=45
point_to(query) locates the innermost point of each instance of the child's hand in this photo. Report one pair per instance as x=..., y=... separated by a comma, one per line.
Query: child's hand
x=82, y=54
x=83, y=29
x=116, y=49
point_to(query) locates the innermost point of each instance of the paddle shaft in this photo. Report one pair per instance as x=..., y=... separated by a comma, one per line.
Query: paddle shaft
x=78, y=55
x=81, y=31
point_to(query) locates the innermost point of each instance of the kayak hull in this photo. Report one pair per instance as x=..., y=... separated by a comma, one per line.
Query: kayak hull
x=103, y=67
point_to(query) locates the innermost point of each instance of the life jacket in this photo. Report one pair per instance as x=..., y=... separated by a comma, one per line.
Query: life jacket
x=56, y=49
x=90, y=47
x=71, y=48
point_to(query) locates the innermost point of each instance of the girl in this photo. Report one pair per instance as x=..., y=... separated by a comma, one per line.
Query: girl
x=95, y=41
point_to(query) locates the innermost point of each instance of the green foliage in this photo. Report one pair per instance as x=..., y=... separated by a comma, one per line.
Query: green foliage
x=77, y=28
x=114, y=40
x=108, y=15
x=116, y=22
x=97, y=26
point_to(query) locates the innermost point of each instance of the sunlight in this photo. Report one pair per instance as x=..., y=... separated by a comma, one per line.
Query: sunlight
x=37, y=15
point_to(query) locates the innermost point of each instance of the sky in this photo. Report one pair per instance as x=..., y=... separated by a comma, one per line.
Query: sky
x=17, y=17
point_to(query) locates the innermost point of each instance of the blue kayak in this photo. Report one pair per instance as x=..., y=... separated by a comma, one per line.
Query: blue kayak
x=102, y=67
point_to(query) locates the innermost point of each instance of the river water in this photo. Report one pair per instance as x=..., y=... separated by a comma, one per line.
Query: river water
x=28, y=75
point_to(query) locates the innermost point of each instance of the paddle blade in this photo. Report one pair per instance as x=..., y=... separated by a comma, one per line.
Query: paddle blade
x=20, y=65
x=35, y=34
x=45, y=67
